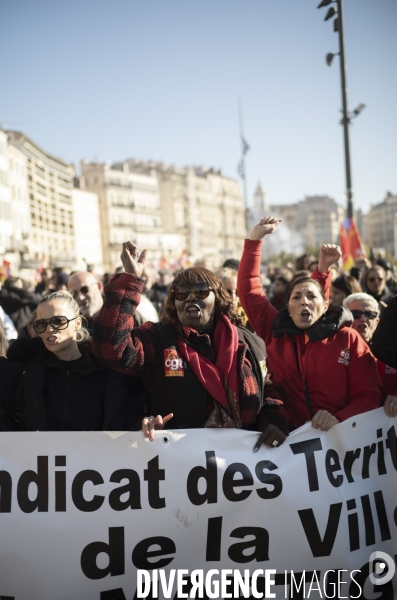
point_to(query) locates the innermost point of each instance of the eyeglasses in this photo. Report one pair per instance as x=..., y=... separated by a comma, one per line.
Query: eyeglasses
x=368, y=314
x=372, y=279
x=83, y=290
x=58, y=323
x=199, y=290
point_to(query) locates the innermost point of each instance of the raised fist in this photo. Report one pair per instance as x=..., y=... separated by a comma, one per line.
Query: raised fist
x=329, y=254
x=265, y=226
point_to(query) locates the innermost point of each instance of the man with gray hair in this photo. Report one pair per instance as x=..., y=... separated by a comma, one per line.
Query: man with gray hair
x=87, y=291
x=365, y=311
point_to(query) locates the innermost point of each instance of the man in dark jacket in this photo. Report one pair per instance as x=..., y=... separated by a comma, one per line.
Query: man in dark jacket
x=18, y=302
x=384, y=347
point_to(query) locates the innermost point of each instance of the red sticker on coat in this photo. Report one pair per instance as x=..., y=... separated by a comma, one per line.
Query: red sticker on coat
x=173, y=363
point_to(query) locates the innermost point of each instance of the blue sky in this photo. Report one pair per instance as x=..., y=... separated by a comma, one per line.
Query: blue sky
x=160, y=79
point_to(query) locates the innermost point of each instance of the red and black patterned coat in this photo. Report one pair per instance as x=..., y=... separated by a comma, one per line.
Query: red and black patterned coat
x=135, y=351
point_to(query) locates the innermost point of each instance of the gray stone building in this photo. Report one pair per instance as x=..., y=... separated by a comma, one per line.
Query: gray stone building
x=381, y=225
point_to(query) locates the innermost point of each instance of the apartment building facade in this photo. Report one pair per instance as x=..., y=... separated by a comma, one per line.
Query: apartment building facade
x=129, y=208
x=381, y=225
x=19, y=199
x=49, y=188
x=87, y=231
x=200, y=207
x=5, y=200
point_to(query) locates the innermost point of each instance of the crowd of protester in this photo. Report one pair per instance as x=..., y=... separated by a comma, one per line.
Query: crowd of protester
x=246, y=345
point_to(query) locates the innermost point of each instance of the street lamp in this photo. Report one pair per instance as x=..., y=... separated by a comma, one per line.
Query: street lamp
x=346, y=119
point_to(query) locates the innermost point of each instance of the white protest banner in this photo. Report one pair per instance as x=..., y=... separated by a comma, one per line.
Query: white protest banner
x=82, y=513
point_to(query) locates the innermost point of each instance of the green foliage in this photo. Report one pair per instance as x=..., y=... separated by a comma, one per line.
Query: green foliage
x=281, y=259
x=312, y=250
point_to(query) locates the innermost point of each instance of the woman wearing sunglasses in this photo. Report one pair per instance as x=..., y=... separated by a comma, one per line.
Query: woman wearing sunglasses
x=325, y=369
x=54, y=383
x=199, y=368
x=373, y=282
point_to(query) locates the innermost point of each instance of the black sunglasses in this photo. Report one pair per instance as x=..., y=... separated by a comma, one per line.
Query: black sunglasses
x=369, y=314
x=199, y=290
x=83, y=290
x=58, y=323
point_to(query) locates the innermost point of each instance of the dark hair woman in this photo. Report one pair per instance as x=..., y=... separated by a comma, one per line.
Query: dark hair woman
x=326, y=371
x=343, y=286
x=54, y=383
x=373, y=283
x=199, y=367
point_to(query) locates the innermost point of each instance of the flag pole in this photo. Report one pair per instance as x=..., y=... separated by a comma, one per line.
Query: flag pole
x=241, y=166
x=243, y=153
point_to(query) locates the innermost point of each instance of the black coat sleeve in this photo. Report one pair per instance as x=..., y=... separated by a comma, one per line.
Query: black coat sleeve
x=10, y=376
x=384, y=341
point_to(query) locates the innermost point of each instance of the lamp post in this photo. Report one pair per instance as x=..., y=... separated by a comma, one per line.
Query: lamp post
x=346, y=118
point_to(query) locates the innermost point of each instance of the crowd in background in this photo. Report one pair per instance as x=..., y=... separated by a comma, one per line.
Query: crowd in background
x=19, y=297
x=365, y=290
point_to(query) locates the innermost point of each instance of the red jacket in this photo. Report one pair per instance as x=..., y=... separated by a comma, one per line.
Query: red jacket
x=339, y=371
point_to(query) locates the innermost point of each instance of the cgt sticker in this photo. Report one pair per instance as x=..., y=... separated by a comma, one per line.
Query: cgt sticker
x=344, y=357
x=173, y=363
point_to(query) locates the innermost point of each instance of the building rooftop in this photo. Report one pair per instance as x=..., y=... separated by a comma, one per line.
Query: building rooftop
x=22, y=137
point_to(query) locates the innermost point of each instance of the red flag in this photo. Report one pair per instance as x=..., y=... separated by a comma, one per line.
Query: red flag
x=183, y=260
x=4, y=270
x=351, y=243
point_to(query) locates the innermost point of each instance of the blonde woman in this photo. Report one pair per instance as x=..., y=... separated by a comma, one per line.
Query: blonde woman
x=54, y=383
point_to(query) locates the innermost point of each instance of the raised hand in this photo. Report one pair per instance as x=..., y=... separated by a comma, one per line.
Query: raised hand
x=133, y=262
x=265, y=226
x=329, y=254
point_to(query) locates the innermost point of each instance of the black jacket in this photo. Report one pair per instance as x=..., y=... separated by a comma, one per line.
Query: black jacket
x=384, y=340
x=185, y=396
x=32, y=380
x=19, y=304
x=385, y=296
x=329, y=323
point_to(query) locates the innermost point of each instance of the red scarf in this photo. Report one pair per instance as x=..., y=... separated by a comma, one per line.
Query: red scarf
x=219, y=379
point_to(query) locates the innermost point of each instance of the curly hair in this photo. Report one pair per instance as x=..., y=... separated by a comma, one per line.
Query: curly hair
x=223, y=302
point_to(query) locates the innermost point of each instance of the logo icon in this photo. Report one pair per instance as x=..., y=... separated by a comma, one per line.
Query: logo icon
x=344, y=357
x=173, y=363
x=381, y=568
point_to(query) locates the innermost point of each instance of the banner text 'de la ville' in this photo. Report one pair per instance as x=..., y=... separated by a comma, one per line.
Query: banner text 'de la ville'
x=192, y=500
